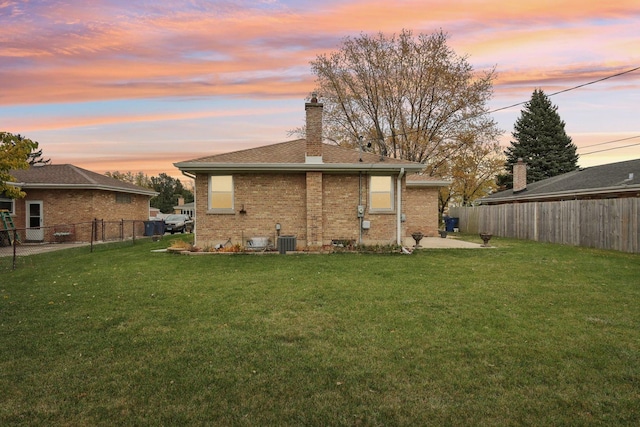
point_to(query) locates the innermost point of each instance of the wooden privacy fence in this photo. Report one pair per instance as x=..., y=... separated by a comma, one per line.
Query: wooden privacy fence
x=605, y=224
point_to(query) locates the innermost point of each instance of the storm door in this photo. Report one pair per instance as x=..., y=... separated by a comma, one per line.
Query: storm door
x=35, y=221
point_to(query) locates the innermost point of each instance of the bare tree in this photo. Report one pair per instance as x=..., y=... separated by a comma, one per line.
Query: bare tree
x=411, y=97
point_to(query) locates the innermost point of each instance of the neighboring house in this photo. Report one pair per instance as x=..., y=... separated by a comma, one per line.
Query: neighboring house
x=184, y=208
x=59, y=195
x=154, y=213
x=614, y=180
x=596, y=207
x=317, y=192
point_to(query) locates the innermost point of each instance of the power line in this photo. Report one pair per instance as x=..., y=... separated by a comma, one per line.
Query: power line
x=549, y=95
x=610, y=149
x=569, y=89
x=610, y=142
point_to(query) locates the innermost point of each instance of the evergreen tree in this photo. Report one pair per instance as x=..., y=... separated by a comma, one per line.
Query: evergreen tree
x=169, y=189
x=541, y=141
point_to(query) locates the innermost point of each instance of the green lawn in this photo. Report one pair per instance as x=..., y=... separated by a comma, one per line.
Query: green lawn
x=520, y=334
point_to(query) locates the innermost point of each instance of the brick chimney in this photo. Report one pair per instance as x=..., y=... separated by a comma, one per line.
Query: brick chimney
x=314, y=130
x=519, y=176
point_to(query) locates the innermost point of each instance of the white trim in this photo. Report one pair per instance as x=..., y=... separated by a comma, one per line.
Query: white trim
x=45, y=186
x=229, y=168
x=429, y=183
x=391, y=196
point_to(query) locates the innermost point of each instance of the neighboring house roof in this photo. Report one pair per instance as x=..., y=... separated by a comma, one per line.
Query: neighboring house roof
x=72, y=178
x=290, y=156
x=190, y=205
x=614, y=179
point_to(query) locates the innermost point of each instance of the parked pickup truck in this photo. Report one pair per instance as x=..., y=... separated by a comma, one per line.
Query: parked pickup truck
x=178, y=223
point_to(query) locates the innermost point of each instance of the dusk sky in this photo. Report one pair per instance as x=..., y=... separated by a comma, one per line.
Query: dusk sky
x=138, y=85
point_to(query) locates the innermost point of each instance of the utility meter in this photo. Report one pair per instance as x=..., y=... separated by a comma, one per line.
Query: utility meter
x=360, y=211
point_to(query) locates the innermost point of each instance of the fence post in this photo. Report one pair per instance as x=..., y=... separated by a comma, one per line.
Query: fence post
x=133, y=231
x=93, y=230
x=15, y=234
x=122, y=229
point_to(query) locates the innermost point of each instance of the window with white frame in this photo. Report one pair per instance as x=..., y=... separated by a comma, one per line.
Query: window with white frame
x=7, y=205
x=221, y=194
x=381, y=194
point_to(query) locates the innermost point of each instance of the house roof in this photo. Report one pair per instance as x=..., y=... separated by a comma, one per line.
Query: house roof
x=290, y=156
x=423, y=180
x=72, y=177
x=605, y=180
x=190, y=205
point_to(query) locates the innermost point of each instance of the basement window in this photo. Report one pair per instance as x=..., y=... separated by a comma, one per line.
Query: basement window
x=221, y=194
x=381, y=194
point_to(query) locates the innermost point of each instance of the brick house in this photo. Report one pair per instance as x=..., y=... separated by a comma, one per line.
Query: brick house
x=610, y=181
x=58, y=195
x=317, y=192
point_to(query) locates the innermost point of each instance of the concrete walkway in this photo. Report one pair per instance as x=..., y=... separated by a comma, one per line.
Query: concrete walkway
x=37, y=248
x=447, y=243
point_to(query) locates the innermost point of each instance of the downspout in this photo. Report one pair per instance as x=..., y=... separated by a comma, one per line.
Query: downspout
x=359, y=204
x=195, y=223
x=399, y=205
x=188, y=175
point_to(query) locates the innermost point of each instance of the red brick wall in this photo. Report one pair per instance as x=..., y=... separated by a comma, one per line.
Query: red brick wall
x=519, y=176
x=81, y=206
x=313, y=111
x=315, y=197
x=282, y=198
x=267, y=199
x=421, y=209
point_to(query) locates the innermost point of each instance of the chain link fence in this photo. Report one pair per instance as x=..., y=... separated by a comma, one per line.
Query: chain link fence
x=16, y=245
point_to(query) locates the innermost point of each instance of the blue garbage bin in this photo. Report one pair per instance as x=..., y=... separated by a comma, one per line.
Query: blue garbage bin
x=148, y=228
x=158, y=228
x=451, y=223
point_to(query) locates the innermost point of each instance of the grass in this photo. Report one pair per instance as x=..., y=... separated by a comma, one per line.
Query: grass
x=522, y=334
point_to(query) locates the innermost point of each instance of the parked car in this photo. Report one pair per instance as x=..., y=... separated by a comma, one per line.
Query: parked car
x=178, y=223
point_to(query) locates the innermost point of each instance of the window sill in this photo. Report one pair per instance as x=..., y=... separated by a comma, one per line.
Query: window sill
x=381, y=212
x=221, y=212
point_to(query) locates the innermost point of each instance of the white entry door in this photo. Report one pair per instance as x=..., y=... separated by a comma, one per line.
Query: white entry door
x=35, y=221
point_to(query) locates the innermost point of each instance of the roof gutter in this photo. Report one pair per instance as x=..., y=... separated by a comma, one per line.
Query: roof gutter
x=188, y=175
x=296, y=167
x=83, y=187
x=561, y=194
x=434, y=183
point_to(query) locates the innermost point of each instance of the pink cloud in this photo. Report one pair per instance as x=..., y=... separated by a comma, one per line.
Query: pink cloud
x=85, y=53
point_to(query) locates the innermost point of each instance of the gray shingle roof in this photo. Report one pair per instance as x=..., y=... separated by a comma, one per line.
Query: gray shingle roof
x=69, y=177
x=620, y=177
x=291, y=154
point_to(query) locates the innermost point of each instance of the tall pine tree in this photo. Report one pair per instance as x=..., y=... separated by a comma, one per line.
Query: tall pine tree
x=541, y=141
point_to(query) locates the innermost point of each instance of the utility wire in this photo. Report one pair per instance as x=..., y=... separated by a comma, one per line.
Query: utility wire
x=610, y=149
x=570, y=89
x=552, y=94
x=610, y=142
